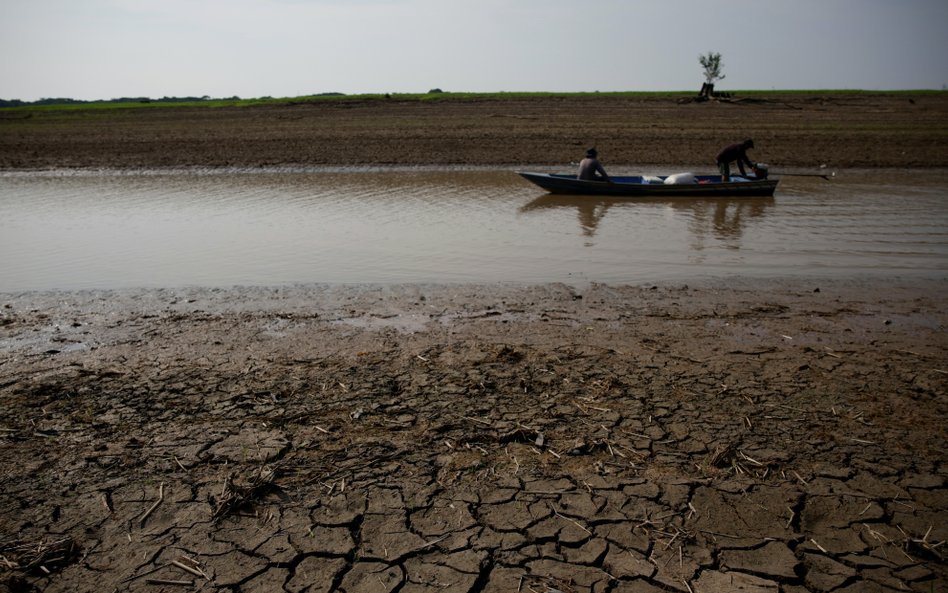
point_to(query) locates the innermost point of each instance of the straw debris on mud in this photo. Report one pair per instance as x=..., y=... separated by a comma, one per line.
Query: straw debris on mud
x=756, y=437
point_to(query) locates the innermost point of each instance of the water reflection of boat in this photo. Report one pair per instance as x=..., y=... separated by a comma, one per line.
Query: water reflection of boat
x=707, y=186
x=725, y=216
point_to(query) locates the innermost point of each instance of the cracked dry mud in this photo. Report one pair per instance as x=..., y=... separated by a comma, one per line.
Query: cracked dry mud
x=756, y=437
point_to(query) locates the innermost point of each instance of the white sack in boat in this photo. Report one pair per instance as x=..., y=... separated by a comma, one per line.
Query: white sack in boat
x=680, y=179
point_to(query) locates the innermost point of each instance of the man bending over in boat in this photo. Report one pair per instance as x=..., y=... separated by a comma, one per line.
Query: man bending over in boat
x=590, y=169
x=735, y=152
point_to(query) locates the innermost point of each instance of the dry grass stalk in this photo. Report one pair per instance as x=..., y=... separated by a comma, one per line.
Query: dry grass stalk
x=574, y=522
x=478, y=420
x=923, y=543
x=692, y=513
x=191, y=569
x=29, y=557
x=751, y=460
x=161, y=497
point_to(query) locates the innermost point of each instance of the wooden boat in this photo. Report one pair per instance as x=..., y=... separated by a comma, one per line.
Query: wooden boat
x=709, y=186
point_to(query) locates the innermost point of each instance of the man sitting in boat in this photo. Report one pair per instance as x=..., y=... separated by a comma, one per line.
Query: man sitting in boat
x=735, y=152
x=590, y=169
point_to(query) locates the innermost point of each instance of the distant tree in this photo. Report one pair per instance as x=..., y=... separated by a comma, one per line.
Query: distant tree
x=57, y=101
x=712, y=64
x=435, y=91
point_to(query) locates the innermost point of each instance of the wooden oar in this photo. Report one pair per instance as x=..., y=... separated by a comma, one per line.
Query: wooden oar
x=826, y=176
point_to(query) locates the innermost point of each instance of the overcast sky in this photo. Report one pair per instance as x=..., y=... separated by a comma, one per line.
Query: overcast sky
x=103, y=49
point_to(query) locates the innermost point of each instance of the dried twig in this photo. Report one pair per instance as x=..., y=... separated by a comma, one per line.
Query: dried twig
x=693, y=511
x=193, y=570
x=574, y=522
x=750, y=460
x=161, y=497
x=478, y=420
x=432, y=543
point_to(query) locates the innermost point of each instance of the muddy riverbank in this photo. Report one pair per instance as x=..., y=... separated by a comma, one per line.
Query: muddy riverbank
x=754, y=436
x=795, y=130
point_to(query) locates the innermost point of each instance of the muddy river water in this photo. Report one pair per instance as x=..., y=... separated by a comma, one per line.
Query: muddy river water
x=216, y=228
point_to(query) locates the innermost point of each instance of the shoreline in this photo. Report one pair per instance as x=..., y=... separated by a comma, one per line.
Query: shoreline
x=320, y=296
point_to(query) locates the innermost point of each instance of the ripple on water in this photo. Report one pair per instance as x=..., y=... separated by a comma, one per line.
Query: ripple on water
x=285, y=225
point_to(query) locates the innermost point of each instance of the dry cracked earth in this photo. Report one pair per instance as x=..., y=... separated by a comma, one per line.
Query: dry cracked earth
x=709, y=439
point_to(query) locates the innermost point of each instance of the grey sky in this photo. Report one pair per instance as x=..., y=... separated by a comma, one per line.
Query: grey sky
x=102, y=49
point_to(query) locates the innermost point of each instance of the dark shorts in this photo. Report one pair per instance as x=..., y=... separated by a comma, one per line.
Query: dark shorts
x=725, y=169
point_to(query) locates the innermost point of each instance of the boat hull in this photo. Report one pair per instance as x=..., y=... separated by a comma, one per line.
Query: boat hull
x=705, y=186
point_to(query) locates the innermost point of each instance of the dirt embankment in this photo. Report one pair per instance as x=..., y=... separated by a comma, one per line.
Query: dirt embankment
x=794, y=130
x=706, y=439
